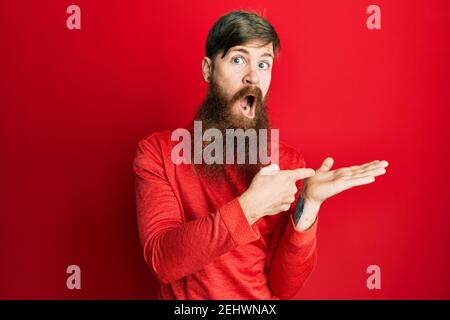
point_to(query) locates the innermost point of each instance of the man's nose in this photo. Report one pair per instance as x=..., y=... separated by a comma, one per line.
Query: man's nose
x=251, y=77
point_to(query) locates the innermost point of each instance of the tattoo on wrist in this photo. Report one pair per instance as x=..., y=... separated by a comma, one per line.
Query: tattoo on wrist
x=298, y=209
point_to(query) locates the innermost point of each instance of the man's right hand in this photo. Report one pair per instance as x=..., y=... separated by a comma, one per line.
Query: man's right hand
x=272, y=191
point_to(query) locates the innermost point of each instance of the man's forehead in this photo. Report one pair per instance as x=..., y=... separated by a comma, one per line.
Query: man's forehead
x=255, y=47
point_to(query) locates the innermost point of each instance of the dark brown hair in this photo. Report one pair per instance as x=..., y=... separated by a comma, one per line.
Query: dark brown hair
x=236, y=28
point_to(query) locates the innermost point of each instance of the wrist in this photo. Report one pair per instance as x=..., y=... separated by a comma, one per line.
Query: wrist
x=309, y=215
x=246, y=205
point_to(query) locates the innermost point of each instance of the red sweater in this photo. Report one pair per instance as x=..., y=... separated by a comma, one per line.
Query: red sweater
x=197, y=240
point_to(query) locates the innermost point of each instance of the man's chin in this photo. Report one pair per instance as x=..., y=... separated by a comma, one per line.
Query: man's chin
x=240, y=121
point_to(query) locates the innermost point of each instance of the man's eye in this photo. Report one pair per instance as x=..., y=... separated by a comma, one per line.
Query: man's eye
x=237, y=60
x=264, y=65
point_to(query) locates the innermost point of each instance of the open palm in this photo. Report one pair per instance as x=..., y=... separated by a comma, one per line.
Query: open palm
x=327, y=183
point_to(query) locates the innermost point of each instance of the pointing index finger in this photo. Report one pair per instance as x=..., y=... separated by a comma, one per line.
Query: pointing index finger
x=301, y=173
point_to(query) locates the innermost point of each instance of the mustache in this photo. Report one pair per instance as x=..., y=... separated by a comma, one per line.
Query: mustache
x=248, y=91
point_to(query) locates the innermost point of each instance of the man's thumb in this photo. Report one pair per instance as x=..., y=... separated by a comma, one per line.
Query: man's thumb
x=326, y=164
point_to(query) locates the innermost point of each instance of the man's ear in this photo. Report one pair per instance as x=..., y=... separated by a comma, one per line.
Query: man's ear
x=207, y=68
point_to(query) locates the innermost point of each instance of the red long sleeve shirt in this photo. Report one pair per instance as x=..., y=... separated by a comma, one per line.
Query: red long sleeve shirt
x=197, y=240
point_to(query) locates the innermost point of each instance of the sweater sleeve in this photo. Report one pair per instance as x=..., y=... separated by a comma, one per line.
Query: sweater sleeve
x=292, y=260
x=172, y=247
x=292, y=255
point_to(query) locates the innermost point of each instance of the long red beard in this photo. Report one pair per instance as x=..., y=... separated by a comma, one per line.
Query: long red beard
x=216, y=112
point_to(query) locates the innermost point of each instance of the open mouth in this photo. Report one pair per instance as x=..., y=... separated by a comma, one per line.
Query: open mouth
x=247, y=106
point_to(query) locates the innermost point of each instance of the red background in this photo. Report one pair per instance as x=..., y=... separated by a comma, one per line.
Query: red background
x=74, y=104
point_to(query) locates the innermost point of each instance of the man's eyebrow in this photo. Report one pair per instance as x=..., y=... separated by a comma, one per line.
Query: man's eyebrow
x=265, y=54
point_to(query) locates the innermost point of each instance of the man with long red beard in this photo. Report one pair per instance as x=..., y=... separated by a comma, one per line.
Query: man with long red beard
x=233, y=234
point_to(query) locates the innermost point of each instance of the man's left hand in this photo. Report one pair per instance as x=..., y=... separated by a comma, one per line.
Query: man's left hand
x=327, y=183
